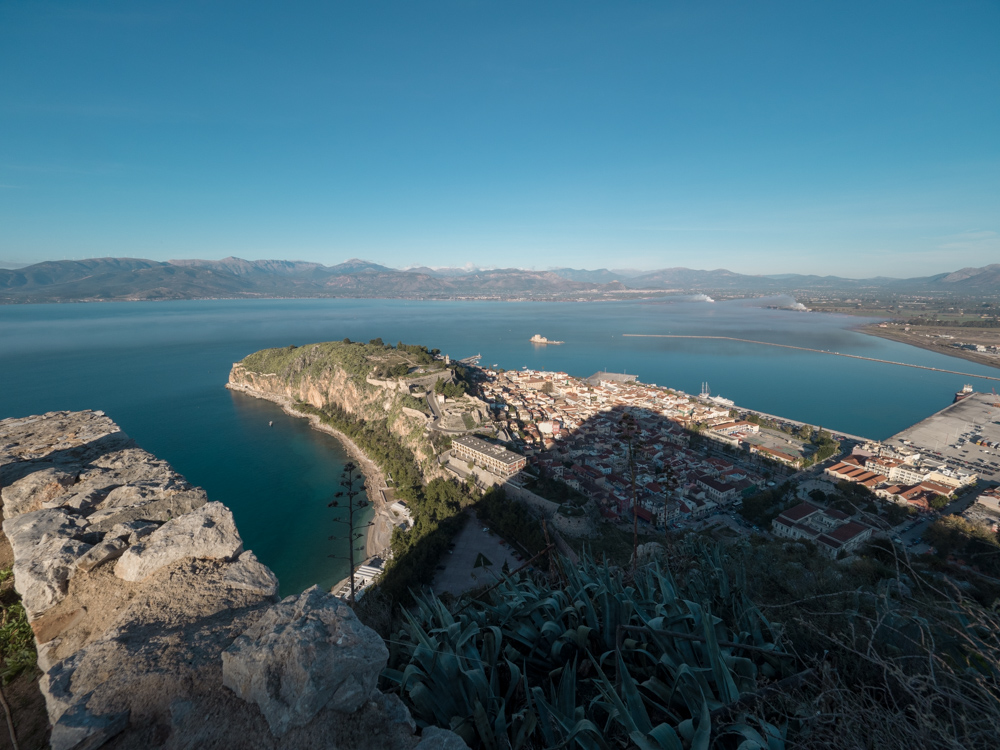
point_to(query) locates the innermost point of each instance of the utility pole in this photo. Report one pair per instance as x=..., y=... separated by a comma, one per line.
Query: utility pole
x=348, y=480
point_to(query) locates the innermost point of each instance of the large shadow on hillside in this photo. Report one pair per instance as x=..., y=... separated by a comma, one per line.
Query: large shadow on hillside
x=595, y=469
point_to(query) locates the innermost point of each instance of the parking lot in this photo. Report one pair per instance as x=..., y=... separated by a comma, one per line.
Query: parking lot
x=948, y=436
x=459, y=573
x=778, y=441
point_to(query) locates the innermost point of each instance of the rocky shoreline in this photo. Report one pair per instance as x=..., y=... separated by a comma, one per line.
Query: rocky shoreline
x=375, y=542
x=155, y=628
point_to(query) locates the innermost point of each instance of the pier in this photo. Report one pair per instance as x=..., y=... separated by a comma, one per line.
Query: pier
x=806, y=349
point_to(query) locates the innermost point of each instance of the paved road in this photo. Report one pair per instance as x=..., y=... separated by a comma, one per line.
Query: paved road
x=914, y=529
x=433, y=404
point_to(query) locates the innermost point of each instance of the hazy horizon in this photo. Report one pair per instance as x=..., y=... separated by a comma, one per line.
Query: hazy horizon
x=625, y=272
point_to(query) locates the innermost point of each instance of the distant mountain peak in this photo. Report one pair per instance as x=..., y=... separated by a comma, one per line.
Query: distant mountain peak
x=233, y=277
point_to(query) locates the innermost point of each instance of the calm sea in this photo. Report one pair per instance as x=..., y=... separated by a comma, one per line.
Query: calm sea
x=158, y=369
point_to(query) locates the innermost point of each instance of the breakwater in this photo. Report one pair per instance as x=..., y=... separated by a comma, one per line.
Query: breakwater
x=807, y=349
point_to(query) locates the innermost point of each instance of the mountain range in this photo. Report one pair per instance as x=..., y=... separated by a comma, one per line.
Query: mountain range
x=137, y=279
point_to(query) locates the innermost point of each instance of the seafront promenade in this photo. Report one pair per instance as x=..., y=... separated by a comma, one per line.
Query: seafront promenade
x=796, y=422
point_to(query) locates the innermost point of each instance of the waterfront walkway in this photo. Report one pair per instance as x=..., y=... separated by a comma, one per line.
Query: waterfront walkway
x=806, y=349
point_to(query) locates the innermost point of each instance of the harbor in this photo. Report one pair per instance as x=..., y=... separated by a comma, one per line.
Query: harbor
x=964, y=435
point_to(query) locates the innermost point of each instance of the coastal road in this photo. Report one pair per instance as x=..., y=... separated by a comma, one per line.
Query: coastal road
x=433, y=405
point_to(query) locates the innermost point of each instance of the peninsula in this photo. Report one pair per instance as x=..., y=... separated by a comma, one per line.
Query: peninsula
x=394, y=408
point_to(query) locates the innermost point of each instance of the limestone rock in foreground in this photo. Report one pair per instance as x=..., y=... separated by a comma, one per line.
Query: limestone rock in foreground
x=304, y=654
x=28, y=530
x=46, y=549
x=42, y=579
x=58, y=437
x=33, y=491
x=208, y=533
x=250, y=574
x=110, y=549
x=160, y=510
x=79, y=729
x=135, y=660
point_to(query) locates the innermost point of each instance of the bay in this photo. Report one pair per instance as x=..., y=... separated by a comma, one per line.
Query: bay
x=159, y=370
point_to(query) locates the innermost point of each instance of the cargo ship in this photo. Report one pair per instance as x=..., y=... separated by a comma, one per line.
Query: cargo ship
x=964, y=393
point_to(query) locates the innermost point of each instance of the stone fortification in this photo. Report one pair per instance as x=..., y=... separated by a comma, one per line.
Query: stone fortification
x=155, y=628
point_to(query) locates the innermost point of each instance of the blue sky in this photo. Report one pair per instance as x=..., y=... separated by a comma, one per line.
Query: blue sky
x=839, y=138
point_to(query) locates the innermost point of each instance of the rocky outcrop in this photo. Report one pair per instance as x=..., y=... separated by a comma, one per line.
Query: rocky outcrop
x=307, y=653
x=135, y=586
x=208, y=533
x=364, y=399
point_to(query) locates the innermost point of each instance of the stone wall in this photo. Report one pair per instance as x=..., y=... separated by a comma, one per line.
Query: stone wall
x=392, y=385
x=542, y=507
x=155, y=628
x=575, y=526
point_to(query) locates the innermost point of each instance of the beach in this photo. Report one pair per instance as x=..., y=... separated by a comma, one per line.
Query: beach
x=380, y=531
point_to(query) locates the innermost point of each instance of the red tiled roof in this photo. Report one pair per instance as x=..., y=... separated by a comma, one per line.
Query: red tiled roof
x=848, y=531
x=797, y=513
x=829, y=541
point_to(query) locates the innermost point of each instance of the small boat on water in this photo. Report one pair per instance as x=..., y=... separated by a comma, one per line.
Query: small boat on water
x=271, y=423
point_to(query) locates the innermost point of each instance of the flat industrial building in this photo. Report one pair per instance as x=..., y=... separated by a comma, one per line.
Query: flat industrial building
x=952, y=431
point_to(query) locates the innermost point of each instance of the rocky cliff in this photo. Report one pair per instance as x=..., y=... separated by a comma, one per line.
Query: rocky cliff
x=338, y=374
x=155, y=628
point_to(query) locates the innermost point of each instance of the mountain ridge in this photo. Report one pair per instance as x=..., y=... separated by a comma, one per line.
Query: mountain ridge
x=109, y=278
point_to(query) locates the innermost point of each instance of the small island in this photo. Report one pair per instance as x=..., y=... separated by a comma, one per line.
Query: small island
x=538, y=339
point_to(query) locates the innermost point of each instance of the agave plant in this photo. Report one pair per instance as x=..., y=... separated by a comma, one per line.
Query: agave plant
x=602, y=660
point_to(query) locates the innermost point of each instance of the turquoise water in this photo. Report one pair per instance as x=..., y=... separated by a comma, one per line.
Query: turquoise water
x=158, y=369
